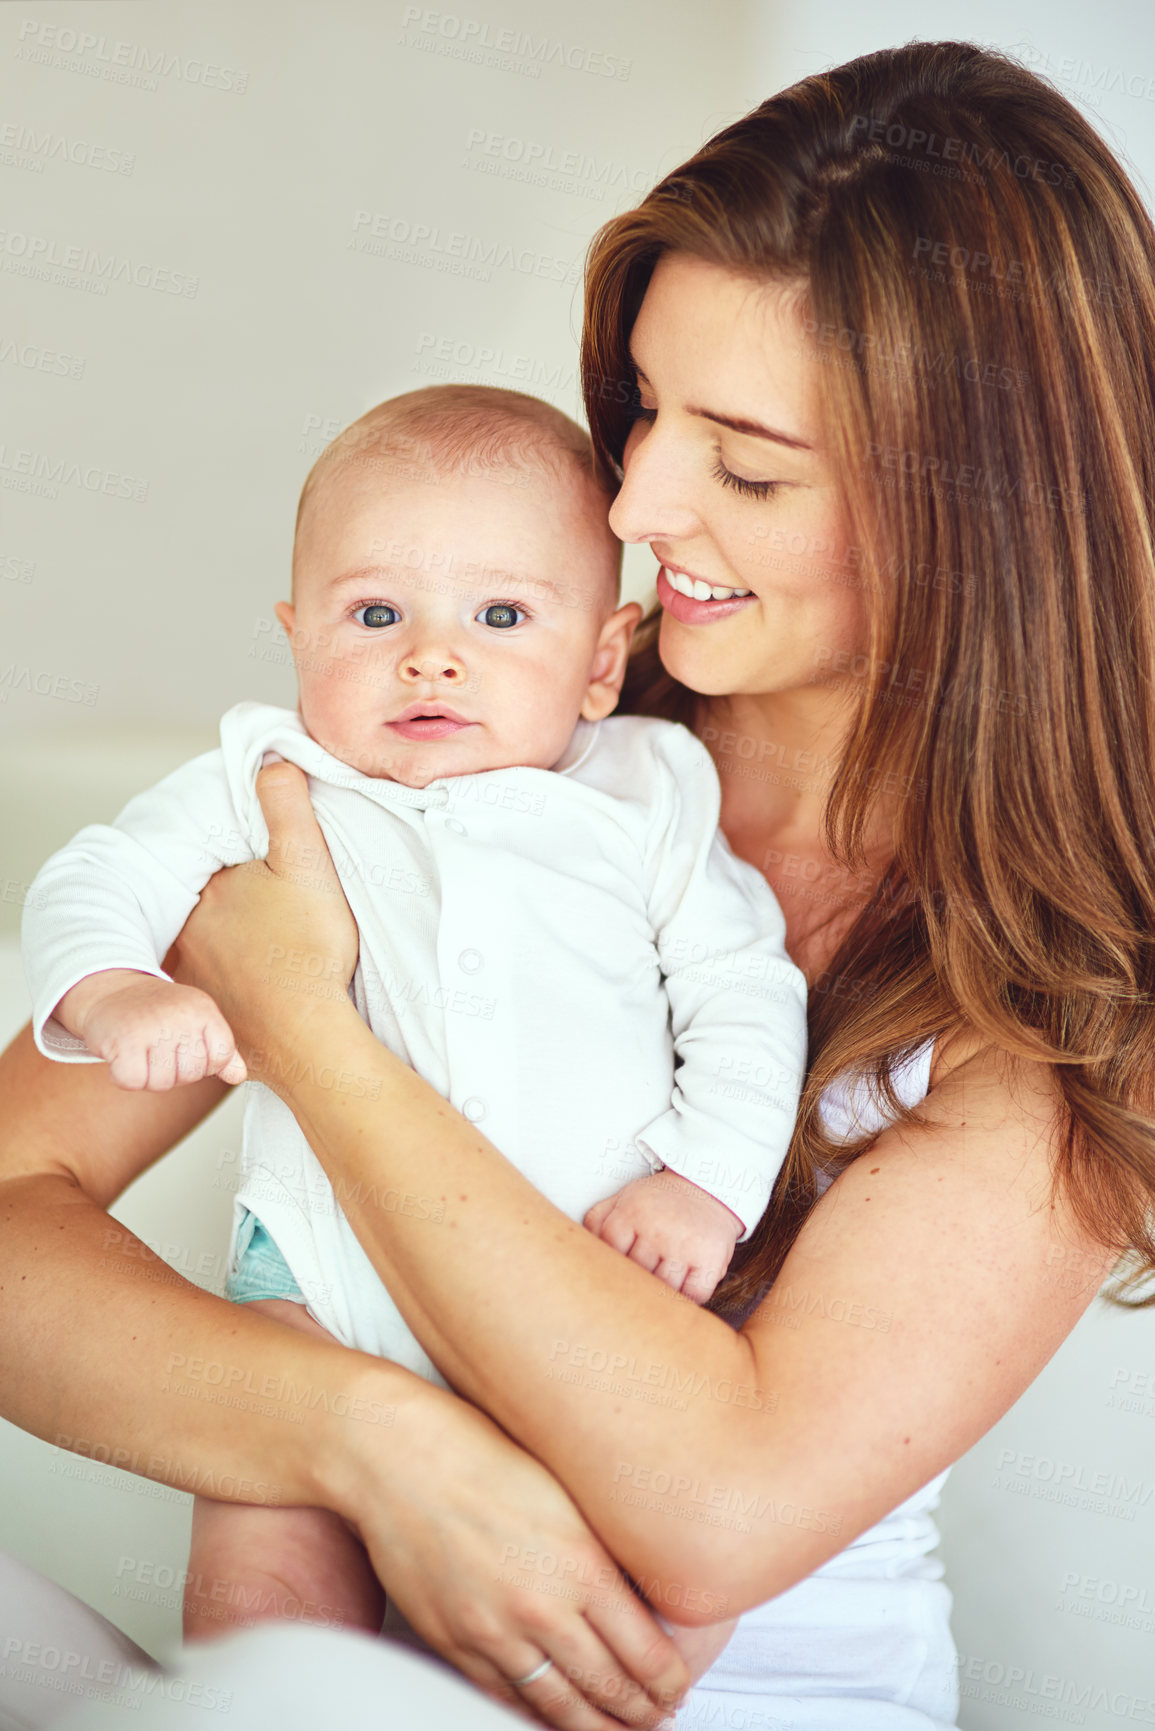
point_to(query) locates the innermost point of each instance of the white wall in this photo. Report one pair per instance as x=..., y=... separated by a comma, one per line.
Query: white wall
x=220, y=399
x=145, y=617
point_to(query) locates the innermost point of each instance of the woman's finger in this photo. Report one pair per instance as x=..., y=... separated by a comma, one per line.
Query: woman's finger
x=560, y=1701
x=296, y=844
x=641, y=1648
x=583, y=1688
x=586, y=1682
x=490, y=1681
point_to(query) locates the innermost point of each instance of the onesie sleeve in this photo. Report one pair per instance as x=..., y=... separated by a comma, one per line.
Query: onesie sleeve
x=118, y=894
x=737, y=1002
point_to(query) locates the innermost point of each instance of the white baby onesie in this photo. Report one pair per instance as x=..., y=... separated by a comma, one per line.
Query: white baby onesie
x=573, y=957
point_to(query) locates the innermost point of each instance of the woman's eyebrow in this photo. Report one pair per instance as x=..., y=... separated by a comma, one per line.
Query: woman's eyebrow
x=754, y=428
x=737, y=423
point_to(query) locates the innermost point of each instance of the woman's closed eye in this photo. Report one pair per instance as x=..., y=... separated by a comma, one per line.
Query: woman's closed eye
x=748, y=489
x=739, y=483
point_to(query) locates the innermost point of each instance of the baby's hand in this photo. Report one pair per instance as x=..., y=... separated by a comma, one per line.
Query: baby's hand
x=679, y=1232
x=153, y=1034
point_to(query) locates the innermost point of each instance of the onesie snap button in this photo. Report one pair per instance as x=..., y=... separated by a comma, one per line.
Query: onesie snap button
x=470, y=961
x=473, y=1109
x=456, y=825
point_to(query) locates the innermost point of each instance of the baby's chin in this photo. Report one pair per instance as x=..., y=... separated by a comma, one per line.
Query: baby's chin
x=416, y=763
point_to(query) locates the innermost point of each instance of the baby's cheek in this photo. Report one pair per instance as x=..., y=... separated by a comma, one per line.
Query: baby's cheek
x=540, y=706
x=338, y=702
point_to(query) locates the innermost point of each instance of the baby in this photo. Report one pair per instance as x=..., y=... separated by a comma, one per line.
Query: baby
x=552, y=931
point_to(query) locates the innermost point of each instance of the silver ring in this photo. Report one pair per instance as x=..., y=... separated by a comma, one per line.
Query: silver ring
x=532, y=1676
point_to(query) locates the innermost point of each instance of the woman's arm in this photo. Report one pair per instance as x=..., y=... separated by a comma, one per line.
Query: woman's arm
x=925, y=1293
x=99, y=1356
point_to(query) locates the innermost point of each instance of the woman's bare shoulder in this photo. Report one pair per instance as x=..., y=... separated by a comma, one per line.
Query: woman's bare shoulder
x=927, y=1288
x=965, y=1196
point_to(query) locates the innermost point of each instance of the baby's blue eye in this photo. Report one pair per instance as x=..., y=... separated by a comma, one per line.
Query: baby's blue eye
x=501, y=615
x=377, y=614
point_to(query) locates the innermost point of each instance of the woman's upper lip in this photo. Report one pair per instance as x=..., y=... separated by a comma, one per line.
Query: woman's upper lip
x=668, y=565
x=696, y=576
x=429, y=709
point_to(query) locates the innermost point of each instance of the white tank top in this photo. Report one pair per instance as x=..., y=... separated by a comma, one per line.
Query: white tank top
x=865, y=1640
x=849, y=1110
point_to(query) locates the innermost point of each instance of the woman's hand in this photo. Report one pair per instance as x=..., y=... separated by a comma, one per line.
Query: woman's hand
x=492, y=1565
x=271, y=940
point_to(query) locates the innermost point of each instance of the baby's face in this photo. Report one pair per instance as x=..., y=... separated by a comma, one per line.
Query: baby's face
x=452, y=624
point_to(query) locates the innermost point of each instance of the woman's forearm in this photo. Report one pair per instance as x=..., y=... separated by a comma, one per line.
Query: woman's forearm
x=425, y=1192
x=416, y=1180
x=712, y=1463
x=107, y=1351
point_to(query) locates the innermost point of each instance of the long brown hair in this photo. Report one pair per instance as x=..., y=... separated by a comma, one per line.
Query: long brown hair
x=981, y=273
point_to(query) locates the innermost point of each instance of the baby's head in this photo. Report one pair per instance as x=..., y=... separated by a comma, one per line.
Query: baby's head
x=453, y=559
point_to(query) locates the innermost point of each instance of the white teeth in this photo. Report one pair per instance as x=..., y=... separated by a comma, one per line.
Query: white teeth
x=698, y=590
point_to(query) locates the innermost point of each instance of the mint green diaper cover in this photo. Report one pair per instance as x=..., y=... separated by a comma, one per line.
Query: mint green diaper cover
x=259, y=1270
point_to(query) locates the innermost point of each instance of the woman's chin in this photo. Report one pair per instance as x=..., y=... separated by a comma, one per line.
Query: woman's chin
x=686, y=658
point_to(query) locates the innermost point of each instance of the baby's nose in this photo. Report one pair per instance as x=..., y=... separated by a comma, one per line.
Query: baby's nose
x=446, y=667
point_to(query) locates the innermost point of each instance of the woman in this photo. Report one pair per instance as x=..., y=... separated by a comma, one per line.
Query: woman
x=880, y=356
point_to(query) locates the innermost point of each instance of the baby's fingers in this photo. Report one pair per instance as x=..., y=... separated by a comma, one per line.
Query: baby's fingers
x=150, y=1062
x=671, y=1271
x=223, y=1058
x=193, y=1057
x=645, y=1253
x=179, y=1056
x=700, y=1282
x=598, y=1214
x=128, y=1064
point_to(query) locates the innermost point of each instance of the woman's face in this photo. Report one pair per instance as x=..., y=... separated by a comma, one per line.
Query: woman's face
x=726, y=480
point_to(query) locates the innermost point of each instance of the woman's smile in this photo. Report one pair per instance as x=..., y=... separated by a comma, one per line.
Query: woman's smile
x=718, y=601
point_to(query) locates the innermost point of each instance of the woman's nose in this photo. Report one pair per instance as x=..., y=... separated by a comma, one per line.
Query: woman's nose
x=653, y=503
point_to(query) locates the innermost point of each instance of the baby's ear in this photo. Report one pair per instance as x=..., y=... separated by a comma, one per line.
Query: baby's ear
x=609, y=666
x=285, y=613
